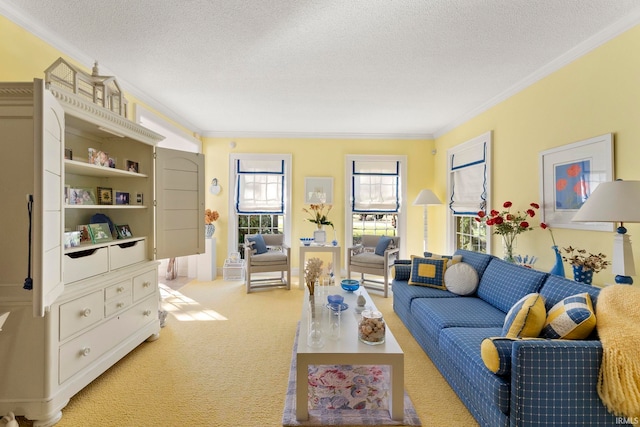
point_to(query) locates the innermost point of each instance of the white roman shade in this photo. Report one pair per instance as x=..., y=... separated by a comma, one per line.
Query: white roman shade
x=260, y=186
x=468, y=171
x=375, y=186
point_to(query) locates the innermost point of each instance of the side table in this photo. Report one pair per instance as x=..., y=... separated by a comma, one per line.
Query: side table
x=335, y=250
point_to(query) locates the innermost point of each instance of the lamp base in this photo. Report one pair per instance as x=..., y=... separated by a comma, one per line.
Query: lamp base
x=624, y=280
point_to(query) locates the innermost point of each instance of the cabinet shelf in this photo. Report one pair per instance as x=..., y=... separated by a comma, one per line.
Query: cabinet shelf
x=89, y=246
x=98, y=207
x=87, y=169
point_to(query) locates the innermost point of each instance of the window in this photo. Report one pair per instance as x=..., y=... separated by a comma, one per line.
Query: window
x=468, y=188
x=375, y=189
x=260, y=198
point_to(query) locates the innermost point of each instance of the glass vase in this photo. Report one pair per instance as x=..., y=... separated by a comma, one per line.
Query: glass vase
x=508, y=243
x=558, y=267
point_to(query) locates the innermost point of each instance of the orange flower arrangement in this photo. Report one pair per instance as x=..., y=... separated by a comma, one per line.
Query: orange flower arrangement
x=210, y=216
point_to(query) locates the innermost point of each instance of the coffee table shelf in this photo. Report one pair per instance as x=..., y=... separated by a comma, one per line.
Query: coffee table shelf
x=348, y=350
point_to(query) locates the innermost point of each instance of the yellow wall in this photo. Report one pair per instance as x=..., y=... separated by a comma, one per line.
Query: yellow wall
x=596, y=94
x=318, y=157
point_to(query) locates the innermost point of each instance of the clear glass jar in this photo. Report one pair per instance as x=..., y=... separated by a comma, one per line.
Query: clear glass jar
x=371, y=328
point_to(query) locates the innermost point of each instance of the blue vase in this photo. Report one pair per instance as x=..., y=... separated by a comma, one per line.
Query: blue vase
x=558, y=268
x=582, y=275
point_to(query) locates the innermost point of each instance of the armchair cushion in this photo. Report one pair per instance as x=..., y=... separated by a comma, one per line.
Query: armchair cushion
x=382, y=245
x=269, y=258
x=368, y=259
x=258, y=244
x=428, y=272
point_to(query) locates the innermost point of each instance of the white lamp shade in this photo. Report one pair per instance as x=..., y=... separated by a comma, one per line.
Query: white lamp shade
x=426, y=197
x=613, y=201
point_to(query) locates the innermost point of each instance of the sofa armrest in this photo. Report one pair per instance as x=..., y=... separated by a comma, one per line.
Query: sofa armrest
x=554, y=382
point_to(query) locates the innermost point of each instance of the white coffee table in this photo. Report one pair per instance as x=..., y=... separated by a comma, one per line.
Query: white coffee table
x=348, y=350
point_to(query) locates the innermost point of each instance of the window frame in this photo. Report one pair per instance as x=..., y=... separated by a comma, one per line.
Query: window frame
x=401, y=224
x=233, y=225
x=486, y=138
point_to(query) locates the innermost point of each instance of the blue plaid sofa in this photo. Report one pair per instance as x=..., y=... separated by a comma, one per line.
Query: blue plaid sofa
x=552, y=382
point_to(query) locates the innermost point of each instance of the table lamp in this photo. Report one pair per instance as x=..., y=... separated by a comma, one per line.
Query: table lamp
x=615, y=201
x=425, y=198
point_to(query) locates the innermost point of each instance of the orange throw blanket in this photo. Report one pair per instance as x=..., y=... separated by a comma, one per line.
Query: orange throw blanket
x=618, y=324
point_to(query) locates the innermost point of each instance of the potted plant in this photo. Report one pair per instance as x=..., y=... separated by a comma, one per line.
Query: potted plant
x=319, y=215
x=584, y=265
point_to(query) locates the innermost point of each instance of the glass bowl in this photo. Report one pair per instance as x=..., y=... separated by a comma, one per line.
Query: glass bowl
x=350, y=285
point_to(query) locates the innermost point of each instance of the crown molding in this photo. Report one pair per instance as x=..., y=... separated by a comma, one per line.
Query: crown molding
x=576, y=52
x=316, y=135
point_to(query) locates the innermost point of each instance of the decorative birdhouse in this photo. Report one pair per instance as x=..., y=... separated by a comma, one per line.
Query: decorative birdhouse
x=102, y=90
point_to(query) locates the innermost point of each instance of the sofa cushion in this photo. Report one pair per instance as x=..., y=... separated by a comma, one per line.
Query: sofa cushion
x=435, y=314
x=476, y=259
x=557, y=288
x=462, y=347
x=427, y=272
x=572, y=318
x=502, y=284
x=526, y=318
x=461, y=279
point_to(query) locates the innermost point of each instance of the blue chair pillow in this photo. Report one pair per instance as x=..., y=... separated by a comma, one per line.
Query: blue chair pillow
x=259, y=245
x=382, y=245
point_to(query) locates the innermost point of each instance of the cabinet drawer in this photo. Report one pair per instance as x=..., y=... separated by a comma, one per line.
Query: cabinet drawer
x=82, y=351
x=124, y=254
x=80, y=313
x=80, y=265
x=145, y=284
x=119, y=289
x=117, y=304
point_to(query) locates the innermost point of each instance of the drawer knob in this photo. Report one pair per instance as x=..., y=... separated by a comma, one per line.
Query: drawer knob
x=147, y=313
x=85, y=351
x=146, y=284
x=120, y=289
x=86, y=312
x=120, y=305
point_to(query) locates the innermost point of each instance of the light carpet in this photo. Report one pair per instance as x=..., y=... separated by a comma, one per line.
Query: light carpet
x=351, y=387
x=223, y=360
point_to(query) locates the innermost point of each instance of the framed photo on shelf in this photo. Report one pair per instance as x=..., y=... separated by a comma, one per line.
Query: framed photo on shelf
x=124, y=232
x=318, y=190
x=81, y=196
x=122, y=198
x=100, y=232
x=85, y=236
x=105, y=196
x=569, y=174
x=132, y=166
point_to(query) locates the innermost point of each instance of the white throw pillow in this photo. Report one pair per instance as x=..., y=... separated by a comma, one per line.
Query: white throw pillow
x=461, y=279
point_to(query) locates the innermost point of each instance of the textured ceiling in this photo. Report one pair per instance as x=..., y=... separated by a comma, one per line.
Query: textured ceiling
x=397, y=68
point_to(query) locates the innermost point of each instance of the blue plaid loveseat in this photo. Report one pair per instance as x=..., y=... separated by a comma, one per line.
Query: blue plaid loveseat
x=551, y=382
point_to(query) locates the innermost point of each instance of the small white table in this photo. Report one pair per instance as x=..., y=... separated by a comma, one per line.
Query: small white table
x=348, y=350
x=335, y=250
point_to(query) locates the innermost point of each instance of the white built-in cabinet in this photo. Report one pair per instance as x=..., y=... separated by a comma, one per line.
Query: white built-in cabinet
x=92, y=304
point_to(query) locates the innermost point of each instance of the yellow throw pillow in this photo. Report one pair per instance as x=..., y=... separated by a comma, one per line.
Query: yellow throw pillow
x=526, y=318
x=572, y=318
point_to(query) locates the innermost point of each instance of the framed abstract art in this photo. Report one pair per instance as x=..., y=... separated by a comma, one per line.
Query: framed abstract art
x=569, y=174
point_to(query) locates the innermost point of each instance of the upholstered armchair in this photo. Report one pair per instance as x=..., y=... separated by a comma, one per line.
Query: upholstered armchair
x=265, y=253
x=375, y=255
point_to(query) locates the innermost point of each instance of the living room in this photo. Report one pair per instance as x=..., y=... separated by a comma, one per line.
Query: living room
x=591, y=91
